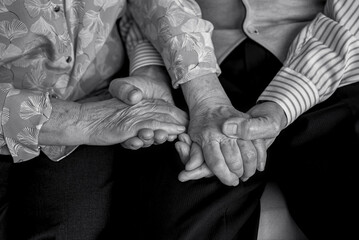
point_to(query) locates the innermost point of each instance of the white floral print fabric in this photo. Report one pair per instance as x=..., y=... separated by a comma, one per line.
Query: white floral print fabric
x=181, y=36
x=70, y=49
x=58, y=48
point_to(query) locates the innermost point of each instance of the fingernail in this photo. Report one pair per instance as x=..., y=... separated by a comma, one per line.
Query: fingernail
x=132, y=93
x=236, y=183
x=181, y=128
x=231, y=129
x=244, y=179
x=261, y=166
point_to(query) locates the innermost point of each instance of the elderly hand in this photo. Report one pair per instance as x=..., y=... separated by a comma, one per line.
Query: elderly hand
x=112, y=121
x=230, y=159
x=150, y=82
x=267, y=121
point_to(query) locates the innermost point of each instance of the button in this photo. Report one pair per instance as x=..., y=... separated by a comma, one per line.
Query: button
x=68, y=59
x=251, y=29
x=57, y=8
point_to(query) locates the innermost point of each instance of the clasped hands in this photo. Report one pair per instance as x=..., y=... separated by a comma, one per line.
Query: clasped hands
x=221, y=141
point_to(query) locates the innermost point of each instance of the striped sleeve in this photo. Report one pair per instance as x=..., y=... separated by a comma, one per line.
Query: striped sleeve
x=323, y=57
x=140, y=51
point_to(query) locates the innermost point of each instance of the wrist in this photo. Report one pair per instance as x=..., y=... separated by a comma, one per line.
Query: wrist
x=155, y=72
x=272, y=110
x=205, y=91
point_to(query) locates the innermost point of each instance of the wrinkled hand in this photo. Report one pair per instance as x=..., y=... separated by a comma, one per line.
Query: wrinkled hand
x=192, y=157
x=267, y=121
x=112, y=121
x=146, y=83
x=228, y=158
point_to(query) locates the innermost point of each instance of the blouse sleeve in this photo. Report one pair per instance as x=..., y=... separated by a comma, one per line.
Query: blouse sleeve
x=180, y=35
x=22, y=114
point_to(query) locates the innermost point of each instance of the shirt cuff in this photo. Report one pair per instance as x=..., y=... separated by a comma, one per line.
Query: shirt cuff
x=144, y=54
x=292, y=91
x=23, y=114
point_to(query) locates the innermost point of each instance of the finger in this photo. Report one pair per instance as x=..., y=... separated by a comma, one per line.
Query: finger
x=261, y=149
x=146, y=134
x=147, y=137
x=184, y=137
x=176, y=114
x=216, y=163
x=249, y=157
x=183, y=150
x=232, y=156
x=133, y=143
x=249, y=129
x=160, y=136
x=171, y=137
x=125, y=91
x=170, y=128
x=196, y=158
x=201, y=172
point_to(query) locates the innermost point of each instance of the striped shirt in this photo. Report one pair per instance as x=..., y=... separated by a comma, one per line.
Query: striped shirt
x=323, y=57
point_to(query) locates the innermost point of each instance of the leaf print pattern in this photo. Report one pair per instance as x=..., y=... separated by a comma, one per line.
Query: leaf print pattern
x=31, y=107
x=13, y=92
x=80, y=31
x=92, y=21
x=15, y=29
x=41, y=27
x=28, y=136
x=4, y=3
x=177, y=24
x=6, y=75
x=75, y=10
x=35, y=79
x=14, y=147
x=5, y=116
x=64, y=42
x=102, y=36
x=10, y=52
x=2, y=141
x=104, y=4
x=174, y=15
x=41, y=7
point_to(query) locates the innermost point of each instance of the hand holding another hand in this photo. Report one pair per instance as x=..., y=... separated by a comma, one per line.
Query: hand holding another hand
x=265, y=123
x=150, y=82
x=112, y=121
x=230, y=159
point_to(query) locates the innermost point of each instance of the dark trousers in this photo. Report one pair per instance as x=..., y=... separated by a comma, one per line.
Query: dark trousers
x=315, y=160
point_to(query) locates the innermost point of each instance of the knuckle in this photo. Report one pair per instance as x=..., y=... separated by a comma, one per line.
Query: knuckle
x=237, y=166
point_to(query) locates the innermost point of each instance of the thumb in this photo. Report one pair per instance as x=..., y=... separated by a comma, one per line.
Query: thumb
x=125, y=91
x=249, y=129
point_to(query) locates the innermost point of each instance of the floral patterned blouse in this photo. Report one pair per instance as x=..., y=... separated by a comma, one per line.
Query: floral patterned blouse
x=69, y=49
